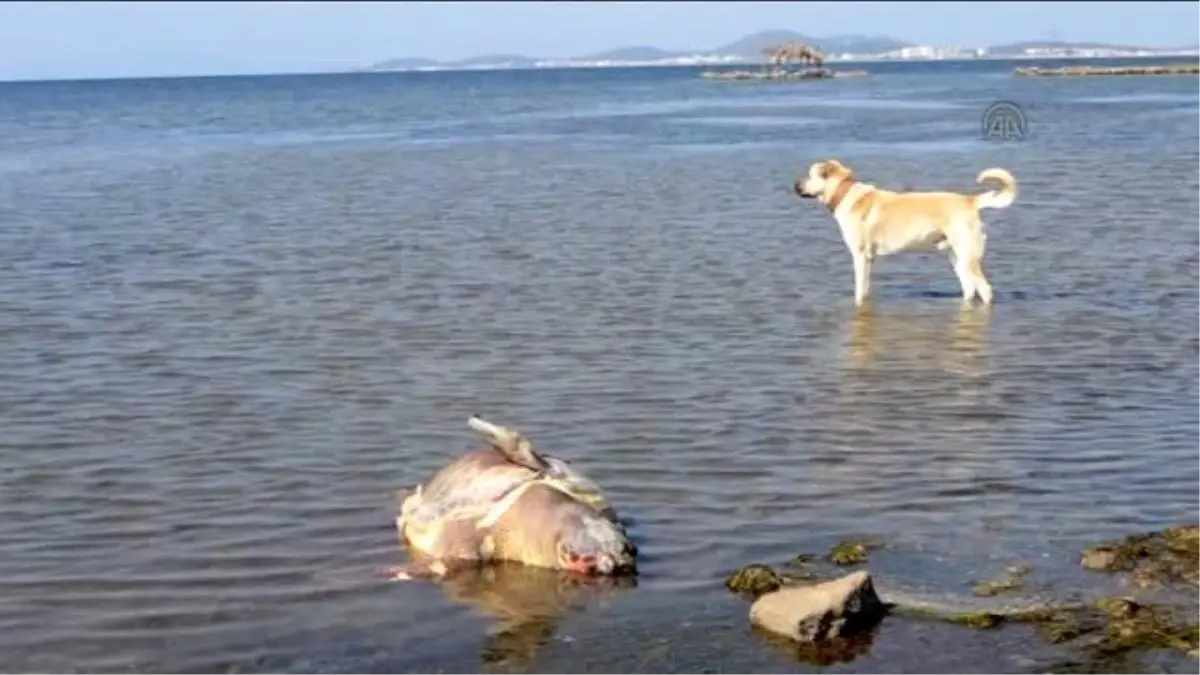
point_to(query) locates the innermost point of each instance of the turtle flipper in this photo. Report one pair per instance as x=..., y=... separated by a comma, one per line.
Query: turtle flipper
x=434, y=569
x=510, y=443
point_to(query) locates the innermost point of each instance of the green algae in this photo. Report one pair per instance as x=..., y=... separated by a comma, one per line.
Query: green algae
x=1171, y=556
x=754, y=579
x=849, y=552
x=1014, y=579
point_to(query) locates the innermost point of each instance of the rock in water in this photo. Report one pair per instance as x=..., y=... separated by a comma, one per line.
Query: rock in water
x=820, y=612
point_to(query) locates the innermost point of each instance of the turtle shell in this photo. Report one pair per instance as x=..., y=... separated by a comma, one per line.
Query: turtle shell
x=474, y=486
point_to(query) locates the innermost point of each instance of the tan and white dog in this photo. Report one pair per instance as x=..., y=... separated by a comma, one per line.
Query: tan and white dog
x=877, y=222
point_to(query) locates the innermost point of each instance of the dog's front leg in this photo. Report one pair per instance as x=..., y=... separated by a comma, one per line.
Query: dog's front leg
x=862, y=277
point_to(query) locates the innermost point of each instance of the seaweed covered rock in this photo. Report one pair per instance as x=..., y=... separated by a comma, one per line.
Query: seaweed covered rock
x=1171, y=556
x=1133, y=626
x=1109, y=632
x=820, y=612
x=849, y=552
x=754, y=580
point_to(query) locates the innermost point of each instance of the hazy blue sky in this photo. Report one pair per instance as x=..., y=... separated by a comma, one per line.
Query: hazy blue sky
x=96, y=39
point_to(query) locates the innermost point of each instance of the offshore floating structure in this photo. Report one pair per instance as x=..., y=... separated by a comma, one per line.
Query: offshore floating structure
x=1085, y=71
x=776, y=66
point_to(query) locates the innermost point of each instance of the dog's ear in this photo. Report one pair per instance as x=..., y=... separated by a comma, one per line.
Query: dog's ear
x=835, y=169
x=832, y=167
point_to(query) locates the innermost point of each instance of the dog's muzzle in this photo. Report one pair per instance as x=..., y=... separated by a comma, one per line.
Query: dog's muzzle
x=799, y=188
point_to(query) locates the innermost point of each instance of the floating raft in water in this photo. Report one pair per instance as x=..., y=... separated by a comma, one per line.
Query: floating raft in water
x=780, y=75
x=1080, y=71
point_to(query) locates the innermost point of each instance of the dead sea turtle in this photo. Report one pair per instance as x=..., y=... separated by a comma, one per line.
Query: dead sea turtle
x=512, y=503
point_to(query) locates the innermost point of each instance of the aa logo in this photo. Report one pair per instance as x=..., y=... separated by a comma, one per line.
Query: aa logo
x=1004, y=121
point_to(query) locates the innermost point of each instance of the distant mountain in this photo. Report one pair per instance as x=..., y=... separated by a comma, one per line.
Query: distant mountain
x=404, y=64
x=500, y=60
x=749, y=48
x=752, y=46
x=859, y=44
x=640, y=53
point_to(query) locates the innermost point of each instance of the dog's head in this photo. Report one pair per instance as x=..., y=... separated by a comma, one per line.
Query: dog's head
x=823, y=178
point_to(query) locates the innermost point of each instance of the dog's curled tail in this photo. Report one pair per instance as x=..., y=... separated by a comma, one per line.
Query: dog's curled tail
x=996, y=199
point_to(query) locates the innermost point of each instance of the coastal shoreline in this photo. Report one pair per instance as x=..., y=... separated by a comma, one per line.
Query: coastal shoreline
x=751, y=62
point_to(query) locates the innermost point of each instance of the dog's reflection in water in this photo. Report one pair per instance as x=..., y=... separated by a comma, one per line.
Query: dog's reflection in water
x=935, y=338
x=527, y=604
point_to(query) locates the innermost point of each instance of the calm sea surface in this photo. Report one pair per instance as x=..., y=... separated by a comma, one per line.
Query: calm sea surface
x=237, y=314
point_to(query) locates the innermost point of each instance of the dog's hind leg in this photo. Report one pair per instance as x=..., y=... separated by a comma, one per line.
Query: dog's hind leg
x=982, y=287
x=962, y=270
x=862, y=277
x=970, y=275
x=974, y=267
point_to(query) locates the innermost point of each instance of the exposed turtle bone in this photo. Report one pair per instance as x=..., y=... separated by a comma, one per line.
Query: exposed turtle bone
x=510, y=443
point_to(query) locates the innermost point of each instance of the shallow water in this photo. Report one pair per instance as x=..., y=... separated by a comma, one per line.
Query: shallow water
x=240, y=313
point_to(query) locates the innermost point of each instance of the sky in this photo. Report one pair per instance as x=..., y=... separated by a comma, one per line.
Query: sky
x=64, y=40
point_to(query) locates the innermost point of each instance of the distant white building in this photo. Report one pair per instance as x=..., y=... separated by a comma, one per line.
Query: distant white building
x=917, y=52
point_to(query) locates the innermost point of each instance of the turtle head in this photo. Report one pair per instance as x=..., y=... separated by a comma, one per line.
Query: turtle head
x=586, y=541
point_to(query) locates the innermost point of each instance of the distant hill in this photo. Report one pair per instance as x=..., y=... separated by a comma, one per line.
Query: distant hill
x=499, y=60
x=752, y=46
x=1017, y=48
x=632, y=54
x=860, y=44
x=404, y=64
x=748, y=48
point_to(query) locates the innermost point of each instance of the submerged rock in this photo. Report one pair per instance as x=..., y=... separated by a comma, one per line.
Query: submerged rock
x=820, y=612
x=1101, y=559
x=802, y=560
x=1014, y=579
x=1060, y=627
x=1109, y=630
x=978, y=620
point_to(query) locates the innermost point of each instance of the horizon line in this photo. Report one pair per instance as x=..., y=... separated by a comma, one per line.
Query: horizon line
x=370, y=71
